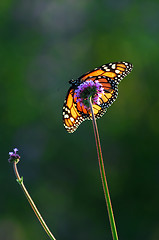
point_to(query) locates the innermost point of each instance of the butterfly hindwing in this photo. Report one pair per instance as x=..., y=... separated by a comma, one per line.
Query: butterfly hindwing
x=71, y=117
x=105, y=100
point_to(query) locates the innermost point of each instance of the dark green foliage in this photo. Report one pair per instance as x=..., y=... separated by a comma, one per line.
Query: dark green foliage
x=43, y=45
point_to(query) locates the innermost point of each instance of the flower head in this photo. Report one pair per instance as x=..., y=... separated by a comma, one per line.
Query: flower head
x=89, y=89
x=14, y=156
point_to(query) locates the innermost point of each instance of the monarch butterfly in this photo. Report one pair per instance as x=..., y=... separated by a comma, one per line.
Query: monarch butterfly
x=108, y=75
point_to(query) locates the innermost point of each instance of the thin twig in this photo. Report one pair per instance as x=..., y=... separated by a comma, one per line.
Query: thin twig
x=103, y=175
x=32, y=204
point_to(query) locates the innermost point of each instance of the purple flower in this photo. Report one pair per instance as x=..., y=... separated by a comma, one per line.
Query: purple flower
x=14, y=156
x=89, y=89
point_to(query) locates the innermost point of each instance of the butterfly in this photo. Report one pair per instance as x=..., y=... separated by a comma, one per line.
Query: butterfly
x=108, y=75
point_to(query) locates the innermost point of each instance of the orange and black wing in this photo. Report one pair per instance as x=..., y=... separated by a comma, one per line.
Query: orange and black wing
x=105, y=100
x=116, y=71
x=71, y=117
x=108, y=75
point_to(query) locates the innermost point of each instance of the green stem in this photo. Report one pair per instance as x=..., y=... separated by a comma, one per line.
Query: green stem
x=103, y=175
x=32, y=204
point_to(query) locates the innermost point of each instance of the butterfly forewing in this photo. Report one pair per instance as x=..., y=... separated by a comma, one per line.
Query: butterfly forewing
x=116, y=71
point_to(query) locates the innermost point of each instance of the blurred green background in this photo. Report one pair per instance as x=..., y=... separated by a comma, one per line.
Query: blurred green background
x=44, y=44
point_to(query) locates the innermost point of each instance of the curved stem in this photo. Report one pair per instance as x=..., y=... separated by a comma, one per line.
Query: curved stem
x=32, y=204
x=103, y=175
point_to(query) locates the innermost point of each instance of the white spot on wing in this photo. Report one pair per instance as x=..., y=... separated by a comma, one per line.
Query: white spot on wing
x=113, y=66
x=72, y=119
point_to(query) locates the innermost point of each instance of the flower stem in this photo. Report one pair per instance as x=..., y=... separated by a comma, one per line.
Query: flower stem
x=103, y=175
x=32, y=204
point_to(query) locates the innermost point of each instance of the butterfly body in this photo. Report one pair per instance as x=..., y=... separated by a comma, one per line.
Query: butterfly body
x=108, y=75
